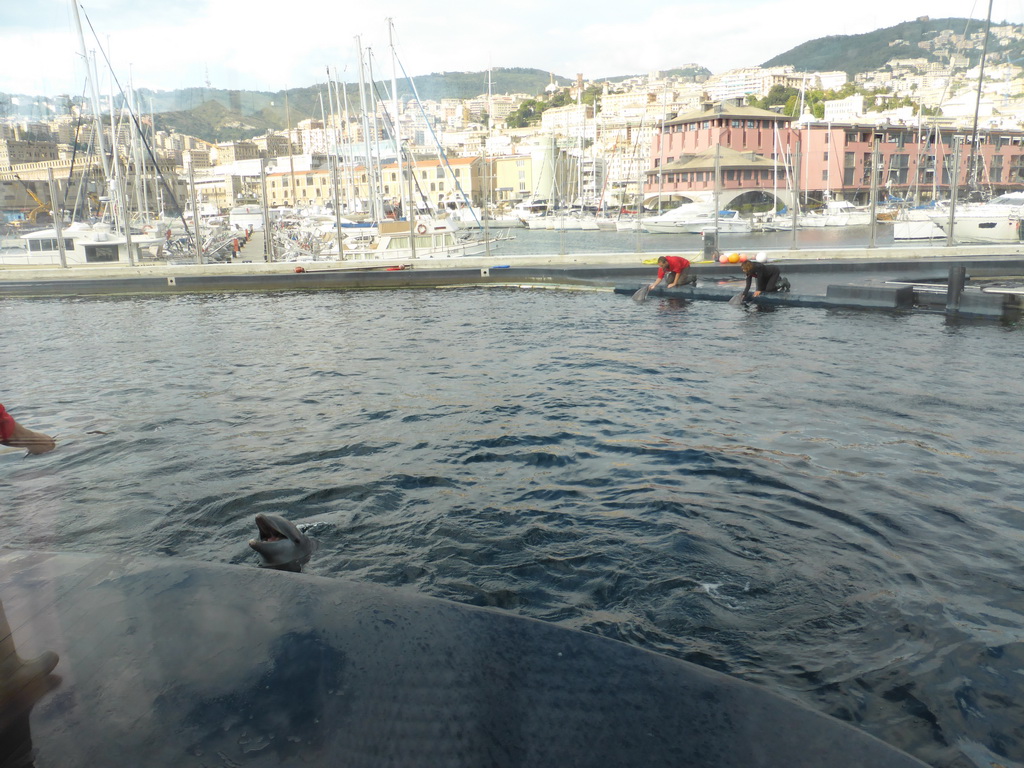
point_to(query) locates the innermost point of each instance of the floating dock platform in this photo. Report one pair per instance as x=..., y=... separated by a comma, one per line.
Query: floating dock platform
x=987, y=286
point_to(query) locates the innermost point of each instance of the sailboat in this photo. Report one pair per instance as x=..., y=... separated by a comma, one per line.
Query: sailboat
x=995, y=221
x=422, y=235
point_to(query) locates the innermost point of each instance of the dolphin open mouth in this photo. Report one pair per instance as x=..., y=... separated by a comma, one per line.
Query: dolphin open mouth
x=281, y=544
x=267, y=530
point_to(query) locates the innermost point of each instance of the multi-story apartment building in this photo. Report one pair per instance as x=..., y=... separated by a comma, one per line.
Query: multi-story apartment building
x=272, y=145
x=233, y=151
x=432, y=180
x=741, y=149
x=14, y=152
x=305, y=187
x=740, y=83
x=512, y=178
x=575, y=120
x=438, y=181
x=196, y=159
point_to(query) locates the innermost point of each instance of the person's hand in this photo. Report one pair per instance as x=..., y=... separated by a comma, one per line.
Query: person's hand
x=35, y=442
x=757, y=293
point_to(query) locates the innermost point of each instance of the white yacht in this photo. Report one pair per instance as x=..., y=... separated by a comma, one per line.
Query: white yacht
x=697, y=219
x=90, y=244
x=836, y=213
x=995, y=221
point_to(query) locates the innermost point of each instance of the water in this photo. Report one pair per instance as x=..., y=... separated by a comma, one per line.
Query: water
x=536, y=242
x=825, y=503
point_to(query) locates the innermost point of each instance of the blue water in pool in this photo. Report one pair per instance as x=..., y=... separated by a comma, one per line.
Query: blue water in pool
x=826, y=503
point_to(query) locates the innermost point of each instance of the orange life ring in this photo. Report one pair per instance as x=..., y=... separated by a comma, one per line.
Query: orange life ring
x=421, y=229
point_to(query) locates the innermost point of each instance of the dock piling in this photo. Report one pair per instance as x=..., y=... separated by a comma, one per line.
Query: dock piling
x=955, y=288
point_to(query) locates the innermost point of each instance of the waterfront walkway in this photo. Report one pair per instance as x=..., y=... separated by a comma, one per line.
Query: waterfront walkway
x=251, y=262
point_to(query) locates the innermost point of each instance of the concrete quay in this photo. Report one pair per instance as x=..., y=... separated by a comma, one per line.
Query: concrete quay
x=816, y=275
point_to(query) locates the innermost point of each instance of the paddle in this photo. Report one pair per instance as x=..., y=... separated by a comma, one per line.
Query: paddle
x=641, y=295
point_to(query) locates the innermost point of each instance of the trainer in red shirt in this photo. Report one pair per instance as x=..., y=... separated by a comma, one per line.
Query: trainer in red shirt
x=676, y=266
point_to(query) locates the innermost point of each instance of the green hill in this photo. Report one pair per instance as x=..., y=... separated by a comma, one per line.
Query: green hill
x=222, y=115
x=854, y=54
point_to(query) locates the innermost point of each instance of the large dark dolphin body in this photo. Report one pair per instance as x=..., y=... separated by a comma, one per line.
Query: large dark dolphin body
x=281, y=544
x=167, y=662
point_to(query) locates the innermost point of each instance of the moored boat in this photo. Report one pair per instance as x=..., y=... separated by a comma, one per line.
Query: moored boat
x=995, y=221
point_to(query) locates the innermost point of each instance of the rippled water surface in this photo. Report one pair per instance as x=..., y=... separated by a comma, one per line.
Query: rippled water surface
x=825, y=503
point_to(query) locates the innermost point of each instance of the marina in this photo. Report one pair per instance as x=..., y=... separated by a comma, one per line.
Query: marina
x=534, y=509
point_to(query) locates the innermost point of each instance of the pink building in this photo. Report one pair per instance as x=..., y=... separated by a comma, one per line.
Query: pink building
x=753, y=152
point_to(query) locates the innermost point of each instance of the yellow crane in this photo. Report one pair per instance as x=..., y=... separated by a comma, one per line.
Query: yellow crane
x=41, y=207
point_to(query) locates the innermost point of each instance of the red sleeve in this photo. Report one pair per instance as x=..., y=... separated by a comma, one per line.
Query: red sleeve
x=661, y=272
x=6, y=425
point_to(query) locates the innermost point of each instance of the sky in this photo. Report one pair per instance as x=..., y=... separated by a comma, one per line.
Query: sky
x=270, y=46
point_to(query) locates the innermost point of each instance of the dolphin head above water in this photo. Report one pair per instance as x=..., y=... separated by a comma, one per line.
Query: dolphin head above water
x=282, y=545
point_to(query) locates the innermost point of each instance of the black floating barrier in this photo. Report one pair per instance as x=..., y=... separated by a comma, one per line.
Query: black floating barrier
x=976, y=304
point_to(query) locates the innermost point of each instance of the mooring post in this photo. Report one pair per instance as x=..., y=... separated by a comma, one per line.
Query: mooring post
x=955, y=287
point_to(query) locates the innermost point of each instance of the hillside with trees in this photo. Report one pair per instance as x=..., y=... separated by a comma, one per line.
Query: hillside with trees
x=855, y=54
x=858, y=53
x=813, y=100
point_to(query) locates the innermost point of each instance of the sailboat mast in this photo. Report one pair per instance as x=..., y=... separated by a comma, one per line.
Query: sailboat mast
x=94, y=91
x=366, y=132
x=485, y=213
x=348, y=154
x=378, y=187
x=972, y=164
x=407, y=202
x=336, y=204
